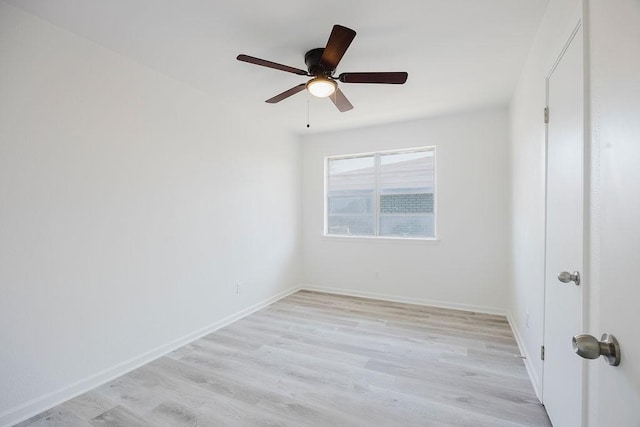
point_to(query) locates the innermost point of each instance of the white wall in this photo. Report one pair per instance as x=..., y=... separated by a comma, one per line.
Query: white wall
x=527, y=139
x=130, y=205
x=467, y=266
x=614, y=83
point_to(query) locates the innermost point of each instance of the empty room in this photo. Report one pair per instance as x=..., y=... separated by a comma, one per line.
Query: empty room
x=419, y=213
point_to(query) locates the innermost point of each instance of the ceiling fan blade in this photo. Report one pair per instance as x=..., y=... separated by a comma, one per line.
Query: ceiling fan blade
x=286, y=94
x=385, y=78
x=269, y=64
x=341, y=101
x=339, y=40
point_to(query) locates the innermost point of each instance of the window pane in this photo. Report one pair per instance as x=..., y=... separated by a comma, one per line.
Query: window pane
x=407, y=172
x=351, y=164
x=407, y=194
x=351, y=205
x=407, y=225
x=358, y=225
x=351, y=196
x=348, y=176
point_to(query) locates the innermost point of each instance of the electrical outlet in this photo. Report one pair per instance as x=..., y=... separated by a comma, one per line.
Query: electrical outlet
x=377, y=275
x=238, y=288
x=526, y=316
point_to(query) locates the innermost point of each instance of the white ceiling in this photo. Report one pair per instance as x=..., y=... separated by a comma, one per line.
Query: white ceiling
x=460, y=54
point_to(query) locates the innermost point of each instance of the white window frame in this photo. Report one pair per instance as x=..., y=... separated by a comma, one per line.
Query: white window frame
x=377, y=155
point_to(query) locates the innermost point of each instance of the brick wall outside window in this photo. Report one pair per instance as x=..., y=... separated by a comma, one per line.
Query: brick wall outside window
x=406, y=203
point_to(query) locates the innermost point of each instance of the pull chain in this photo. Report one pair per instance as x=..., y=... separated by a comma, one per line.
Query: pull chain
x=308, y=113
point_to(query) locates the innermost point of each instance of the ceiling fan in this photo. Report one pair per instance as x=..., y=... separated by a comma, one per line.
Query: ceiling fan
x=321, y=65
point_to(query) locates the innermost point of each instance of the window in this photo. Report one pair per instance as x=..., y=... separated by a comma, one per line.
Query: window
x=385, y=194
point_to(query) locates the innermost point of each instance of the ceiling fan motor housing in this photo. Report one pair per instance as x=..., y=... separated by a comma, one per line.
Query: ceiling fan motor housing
x=312, y=59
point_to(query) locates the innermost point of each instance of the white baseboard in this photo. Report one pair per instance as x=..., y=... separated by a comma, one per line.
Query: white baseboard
x=40, y=404
x=533, y=376
x=407, y=300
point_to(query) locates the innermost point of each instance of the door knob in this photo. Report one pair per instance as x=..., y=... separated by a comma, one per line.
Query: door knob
x=566, y=277
x=589, y=347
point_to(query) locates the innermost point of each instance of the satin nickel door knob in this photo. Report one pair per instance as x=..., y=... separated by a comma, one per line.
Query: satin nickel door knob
x=566, y=277
x=588, y=347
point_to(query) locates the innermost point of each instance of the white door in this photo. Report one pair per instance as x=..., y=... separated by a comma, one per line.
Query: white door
x=614, y=392
x=562, y=372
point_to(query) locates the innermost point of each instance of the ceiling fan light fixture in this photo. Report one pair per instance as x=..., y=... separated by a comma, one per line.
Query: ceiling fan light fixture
x=321, y=86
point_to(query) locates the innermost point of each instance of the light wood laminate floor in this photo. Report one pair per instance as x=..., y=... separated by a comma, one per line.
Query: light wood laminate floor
x=315, y=359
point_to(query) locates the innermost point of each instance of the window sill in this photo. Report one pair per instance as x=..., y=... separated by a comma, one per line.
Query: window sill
x=379, y=239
